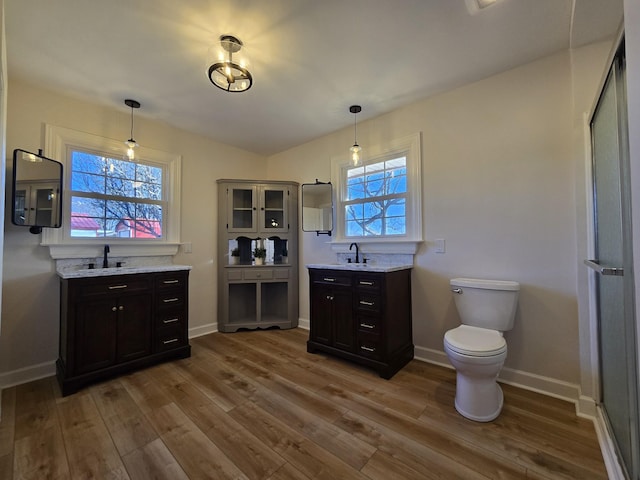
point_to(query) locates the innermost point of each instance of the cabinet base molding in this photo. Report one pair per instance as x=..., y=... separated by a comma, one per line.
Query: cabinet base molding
x=386, y=369
x=73, y=384
x=234, y=327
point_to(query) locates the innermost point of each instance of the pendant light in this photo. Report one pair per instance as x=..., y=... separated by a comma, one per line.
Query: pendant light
x=131, y=143
x=355, y=149
x=227, y=74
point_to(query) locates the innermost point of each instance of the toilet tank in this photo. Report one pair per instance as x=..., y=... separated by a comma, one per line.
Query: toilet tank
x=486, y=303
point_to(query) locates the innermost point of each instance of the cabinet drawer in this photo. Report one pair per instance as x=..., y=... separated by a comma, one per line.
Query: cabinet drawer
x=281, y=273
x=332, y=279
x=258, y=274
x=369, y=345
x=171, y=318
x=369, y=282
x=367, y=302
x=171, y=281
x=367, y=323
x=114, y=286
x=170, y=299
x=170, y=337
x=234, y=274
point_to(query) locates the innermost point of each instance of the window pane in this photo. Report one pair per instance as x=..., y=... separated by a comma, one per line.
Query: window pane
x=117, y=191
x=377, y=214
x=86, y=182
x=354, y=229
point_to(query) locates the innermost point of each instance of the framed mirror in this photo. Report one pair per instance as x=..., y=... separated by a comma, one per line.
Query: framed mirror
x=37, y=191
x=317, y=207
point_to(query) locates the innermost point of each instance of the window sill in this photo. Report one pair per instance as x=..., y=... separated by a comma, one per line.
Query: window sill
x=379, y=246
x=93, y=250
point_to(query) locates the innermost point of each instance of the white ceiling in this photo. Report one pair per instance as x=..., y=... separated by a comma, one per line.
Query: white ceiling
x=310, y=59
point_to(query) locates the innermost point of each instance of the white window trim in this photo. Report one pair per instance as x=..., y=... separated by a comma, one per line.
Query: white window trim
x=408, y=243
x=62, y=245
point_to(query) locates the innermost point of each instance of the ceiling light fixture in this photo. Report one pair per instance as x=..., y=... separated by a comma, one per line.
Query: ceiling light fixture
x=355, y=149
x=131, y=143
x=227, y=74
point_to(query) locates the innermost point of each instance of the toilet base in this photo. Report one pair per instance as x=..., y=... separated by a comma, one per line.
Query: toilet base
x=483, y=404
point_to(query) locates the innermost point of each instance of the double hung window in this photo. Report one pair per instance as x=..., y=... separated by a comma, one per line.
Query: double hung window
x=379, y=200
x=115, y=197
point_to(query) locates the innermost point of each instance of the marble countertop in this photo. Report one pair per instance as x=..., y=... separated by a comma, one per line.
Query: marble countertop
x=103, y=272
x=360, y=267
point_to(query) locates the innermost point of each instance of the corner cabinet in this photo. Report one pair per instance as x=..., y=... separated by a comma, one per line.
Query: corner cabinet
x=362, y=316
x=253, y=213
x=116, y=323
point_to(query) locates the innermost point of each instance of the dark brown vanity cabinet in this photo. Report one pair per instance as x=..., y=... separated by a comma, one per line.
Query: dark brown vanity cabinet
x=113, y=324
x=364, y=317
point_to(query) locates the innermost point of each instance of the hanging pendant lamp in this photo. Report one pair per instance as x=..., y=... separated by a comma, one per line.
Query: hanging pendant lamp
x=131, y=143
x=355, y=149
x=227, y=74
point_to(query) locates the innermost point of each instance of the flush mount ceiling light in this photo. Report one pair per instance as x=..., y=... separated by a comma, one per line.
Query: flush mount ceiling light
x=131, y=143
x=227, y=74
x=355, y=149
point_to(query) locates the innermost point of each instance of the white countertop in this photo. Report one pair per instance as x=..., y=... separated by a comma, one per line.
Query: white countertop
x=103, y=272
x=360, y=267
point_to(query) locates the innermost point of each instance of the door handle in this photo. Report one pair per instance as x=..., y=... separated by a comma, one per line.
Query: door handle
x=604, y=270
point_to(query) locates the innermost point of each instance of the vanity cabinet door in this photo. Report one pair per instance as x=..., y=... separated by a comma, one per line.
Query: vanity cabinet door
x=133, y=327
x=96, y=335
x=332, y=321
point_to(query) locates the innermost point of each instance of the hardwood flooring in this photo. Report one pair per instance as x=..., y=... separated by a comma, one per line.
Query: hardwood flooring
x=256, y=405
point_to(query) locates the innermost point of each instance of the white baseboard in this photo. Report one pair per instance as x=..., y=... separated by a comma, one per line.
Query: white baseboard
x=203, y=330
x=611, y=463
x=27, y=374
x=304, y=323
x=529, y=381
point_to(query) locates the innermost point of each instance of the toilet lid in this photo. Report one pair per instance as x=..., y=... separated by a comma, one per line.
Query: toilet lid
x=474, y=341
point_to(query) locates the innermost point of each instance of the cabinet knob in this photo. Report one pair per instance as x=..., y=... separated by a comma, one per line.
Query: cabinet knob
x=113, y=309
x=120, y=308
x=329, y=297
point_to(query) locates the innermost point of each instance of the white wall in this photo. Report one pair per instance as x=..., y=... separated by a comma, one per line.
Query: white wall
x=499, y=184
x=30, y=287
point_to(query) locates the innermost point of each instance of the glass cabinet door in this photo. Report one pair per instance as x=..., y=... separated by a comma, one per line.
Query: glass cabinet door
x=44, y=203
x=274, y=209
x=242, y=209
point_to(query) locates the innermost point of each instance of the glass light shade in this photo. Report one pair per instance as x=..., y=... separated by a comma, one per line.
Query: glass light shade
x=355, y=153
x=131, y=145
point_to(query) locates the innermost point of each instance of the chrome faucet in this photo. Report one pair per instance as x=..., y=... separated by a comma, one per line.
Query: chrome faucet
x=105, y=261
x=357, y=256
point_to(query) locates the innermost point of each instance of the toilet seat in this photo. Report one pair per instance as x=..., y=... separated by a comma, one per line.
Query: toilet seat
x=475, y=342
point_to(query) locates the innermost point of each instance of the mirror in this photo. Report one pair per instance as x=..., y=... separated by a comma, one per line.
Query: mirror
x=37, y=191
x=317, y=207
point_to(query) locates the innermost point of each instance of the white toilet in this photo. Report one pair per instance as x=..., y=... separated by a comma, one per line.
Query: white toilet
x=477, y=348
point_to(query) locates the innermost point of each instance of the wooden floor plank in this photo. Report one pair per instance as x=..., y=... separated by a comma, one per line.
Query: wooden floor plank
x=153, y=460
x=256, y=405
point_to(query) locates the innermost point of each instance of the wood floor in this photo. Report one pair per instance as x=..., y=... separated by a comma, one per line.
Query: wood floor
x=255, y=405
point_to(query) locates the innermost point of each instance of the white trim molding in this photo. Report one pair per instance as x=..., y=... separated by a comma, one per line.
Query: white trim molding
x=58, y=140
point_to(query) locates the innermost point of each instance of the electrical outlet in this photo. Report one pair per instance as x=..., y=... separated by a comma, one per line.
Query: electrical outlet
x=186, y=247
x=440, y=245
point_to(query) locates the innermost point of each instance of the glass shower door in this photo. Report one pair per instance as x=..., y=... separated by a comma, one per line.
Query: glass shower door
x=614, y=282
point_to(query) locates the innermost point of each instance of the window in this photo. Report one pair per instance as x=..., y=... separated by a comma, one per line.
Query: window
x=115, y=197
x=376, y=199
x=108, y=198
x=379, y=201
